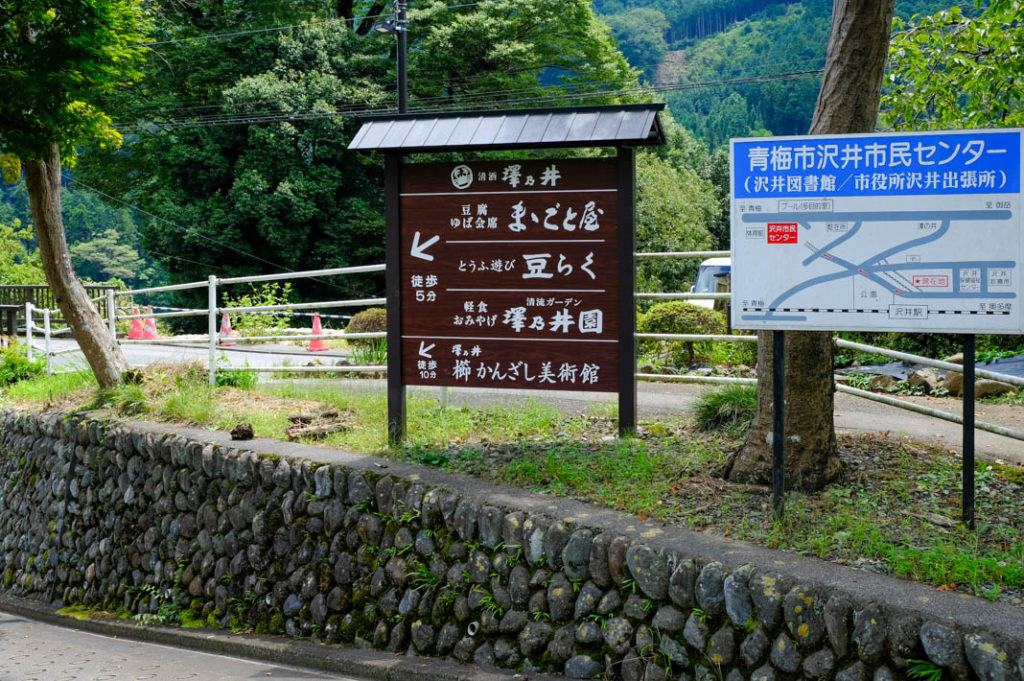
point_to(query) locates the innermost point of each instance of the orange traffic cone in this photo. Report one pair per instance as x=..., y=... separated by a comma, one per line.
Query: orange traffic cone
x=225, y=331
x=149, y=326
x=317, y=344
x=135, y=330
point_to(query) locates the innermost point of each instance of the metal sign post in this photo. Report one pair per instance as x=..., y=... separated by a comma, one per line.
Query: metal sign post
x=778, y=423
x=968, y=433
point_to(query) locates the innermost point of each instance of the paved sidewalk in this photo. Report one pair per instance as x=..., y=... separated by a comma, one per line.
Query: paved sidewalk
x=31, y=650
x=37, y=644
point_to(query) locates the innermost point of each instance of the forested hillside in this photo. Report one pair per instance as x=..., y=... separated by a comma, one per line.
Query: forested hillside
x=735, y=67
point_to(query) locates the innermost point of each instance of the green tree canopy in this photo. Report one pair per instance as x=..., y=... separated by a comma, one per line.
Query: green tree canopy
x=951, y=70
x=19, y=262
x=87, y=218
x=674, y=210
x=490, y=52
x=57, y=59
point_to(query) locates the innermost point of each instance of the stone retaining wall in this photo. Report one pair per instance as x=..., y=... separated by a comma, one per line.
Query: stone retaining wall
x=148, y=522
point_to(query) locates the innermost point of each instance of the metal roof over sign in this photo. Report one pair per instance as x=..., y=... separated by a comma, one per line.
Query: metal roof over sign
x=599, y=126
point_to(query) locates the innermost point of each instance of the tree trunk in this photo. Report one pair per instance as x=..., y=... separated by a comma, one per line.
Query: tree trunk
x=108, y=363
x=848, y=103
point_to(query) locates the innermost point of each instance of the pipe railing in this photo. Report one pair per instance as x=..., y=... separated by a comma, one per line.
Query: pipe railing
x=685, y=254
x=364, y=302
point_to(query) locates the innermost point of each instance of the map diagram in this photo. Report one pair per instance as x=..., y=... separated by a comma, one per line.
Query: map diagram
x=943, y=255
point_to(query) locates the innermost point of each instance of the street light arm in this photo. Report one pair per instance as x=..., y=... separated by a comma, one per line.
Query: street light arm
x=366, y=25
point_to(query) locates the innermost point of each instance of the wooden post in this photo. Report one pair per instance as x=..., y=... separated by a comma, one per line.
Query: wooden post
x=393, y=286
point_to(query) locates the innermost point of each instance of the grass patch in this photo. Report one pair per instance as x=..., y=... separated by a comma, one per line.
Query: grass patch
x=728, y=409
x=633, y=475
x=46, y=391
x=895, y=511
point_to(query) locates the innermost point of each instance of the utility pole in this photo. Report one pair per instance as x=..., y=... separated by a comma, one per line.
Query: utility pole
x=403, y=50
x=399, y=27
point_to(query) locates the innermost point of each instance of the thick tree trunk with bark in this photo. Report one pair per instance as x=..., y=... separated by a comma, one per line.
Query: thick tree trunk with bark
x=108, y=363
x=848, y=103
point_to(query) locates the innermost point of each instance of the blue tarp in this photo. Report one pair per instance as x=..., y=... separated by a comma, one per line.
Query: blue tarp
x=1013, y=366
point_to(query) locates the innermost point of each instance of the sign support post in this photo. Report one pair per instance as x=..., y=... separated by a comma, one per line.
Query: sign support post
x=393, y=287
x=968, y=432
x=627, y=279
x=778, y=423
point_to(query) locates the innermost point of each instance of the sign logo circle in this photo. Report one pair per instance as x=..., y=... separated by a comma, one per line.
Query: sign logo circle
x=462, y=177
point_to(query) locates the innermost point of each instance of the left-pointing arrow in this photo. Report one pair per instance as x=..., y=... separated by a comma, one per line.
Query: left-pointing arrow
x=425, y=349
x=419, y=250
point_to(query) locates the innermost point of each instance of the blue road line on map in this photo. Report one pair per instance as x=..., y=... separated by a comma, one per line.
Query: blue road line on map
x=937, y=234
x=774, y=317
x=939, y=265
x=835, y=243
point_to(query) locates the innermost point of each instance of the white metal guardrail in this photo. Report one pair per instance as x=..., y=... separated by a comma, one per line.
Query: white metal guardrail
x=215, y=365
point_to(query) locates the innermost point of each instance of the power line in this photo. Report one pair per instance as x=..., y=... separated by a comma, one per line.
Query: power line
x=179, y=259
x=286, y=27
x=238, y=34
x=467, y=101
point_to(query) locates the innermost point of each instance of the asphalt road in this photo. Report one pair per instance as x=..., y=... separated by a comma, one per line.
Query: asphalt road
x=255, y=356
x=34, y=651
x=853, y=414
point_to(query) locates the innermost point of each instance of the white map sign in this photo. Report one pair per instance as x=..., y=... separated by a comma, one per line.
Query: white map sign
x=883, y=232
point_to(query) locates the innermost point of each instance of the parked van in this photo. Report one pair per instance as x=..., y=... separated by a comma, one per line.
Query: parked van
x=706, y=278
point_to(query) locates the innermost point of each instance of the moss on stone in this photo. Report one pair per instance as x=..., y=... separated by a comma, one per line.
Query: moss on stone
x=188, y=621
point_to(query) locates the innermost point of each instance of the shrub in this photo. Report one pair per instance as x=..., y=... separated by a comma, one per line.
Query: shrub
x=245, y=380
x=15, y=366
x=270, y=293
x=679, y=317
x=730, y=409
x=369, y=350
x=371, y=320
x=733, y=354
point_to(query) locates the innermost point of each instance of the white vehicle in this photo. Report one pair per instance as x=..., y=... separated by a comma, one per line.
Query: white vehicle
x=706, y=278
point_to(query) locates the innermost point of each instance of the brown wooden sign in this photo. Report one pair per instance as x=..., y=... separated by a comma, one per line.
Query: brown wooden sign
x=510, y=274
